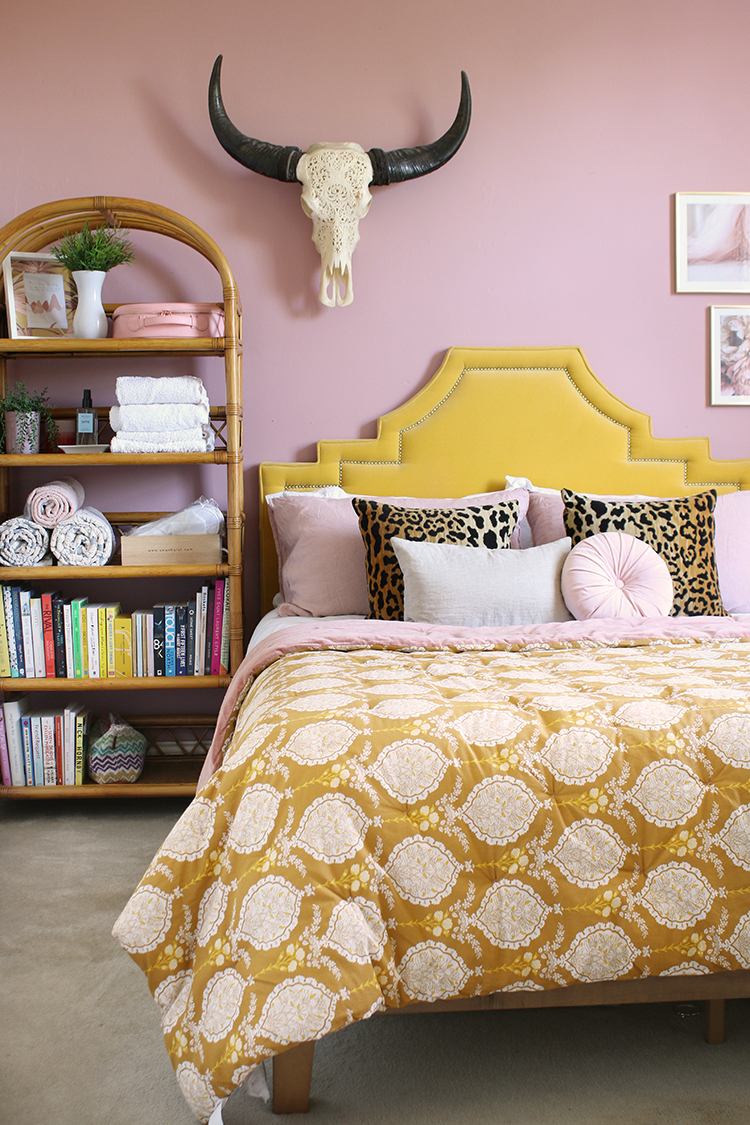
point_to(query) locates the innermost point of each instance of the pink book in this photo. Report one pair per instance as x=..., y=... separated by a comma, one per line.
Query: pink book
x=216, y=634
x=4, y=755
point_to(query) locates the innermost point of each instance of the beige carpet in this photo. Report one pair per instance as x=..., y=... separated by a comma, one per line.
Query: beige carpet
x=80, y=1042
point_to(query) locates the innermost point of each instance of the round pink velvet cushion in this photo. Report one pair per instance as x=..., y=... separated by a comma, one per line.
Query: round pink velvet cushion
x=616, y=575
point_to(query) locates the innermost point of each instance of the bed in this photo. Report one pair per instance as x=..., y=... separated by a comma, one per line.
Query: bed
x=408, y=815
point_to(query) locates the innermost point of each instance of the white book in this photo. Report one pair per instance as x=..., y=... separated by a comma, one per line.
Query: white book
x=13, y=710
x=197, y=635
x=40, y=766
x=24, y=599
x=92, y=639
x=137, y=642
x=69, y=742
x=70, y=663
x=204, y=627
x=49, y=760
x=149, y=645
x=37, y=633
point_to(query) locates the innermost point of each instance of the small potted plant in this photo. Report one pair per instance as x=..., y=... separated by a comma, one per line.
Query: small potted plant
x=22, y=412
x=89, y=255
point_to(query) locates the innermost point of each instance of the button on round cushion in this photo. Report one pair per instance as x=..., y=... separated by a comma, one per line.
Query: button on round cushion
x=613, y=574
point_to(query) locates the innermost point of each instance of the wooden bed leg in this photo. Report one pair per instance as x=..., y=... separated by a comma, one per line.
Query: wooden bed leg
x=292, y=1073
x=714, y=1021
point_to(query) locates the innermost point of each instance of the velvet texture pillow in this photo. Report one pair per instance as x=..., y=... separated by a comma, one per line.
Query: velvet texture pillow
x=490, y=526
x=615, y=575
x=680, y=530
x=446, y=584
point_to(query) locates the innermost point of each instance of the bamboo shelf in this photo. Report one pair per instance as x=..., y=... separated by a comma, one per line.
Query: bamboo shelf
x=32, y=232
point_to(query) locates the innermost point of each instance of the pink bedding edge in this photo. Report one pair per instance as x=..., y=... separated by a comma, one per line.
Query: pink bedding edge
x=318, y=633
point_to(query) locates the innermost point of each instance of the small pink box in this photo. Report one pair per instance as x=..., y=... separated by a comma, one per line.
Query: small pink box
x=167, y=320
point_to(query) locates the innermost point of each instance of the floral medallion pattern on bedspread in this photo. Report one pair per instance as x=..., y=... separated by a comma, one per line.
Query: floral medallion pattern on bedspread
x=398, y=826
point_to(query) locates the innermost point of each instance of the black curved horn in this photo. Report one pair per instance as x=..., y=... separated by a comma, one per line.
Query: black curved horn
x=408, y=163
x=277, y=161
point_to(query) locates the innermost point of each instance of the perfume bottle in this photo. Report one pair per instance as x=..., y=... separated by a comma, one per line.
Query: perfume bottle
x=87, y=430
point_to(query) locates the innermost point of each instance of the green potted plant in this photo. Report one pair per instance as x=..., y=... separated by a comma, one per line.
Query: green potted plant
x=22, y=412
x=89, y=255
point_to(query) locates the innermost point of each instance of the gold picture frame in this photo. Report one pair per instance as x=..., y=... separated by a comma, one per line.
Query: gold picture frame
x=40, y=296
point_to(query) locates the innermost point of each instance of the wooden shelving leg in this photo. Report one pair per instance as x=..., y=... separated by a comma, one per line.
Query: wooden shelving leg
x=292, y=1073
x=714, y=1021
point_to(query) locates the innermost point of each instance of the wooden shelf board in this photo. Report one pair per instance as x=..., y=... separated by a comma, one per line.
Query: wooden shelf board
x=114, y=683
x=52, y=573
x=161, y=777
x=216, y=457
x=69, y=346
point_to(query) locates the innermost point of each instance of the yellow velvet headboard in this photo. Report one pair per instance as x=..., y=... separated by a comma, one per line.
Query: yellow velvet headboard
x=534, y=412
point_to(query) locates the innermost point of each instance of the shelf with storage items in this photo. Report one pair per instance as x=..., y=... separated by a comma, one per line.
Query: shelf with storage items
x=33, y=232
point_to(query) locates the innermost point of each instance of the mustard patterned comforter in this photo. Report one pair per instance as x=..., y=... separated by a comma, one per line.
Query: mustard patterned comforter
x=390, y=827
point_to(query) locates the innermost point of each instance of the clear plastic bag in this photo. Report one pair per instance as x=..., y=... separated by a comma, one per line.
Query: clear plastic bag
x=202, y=517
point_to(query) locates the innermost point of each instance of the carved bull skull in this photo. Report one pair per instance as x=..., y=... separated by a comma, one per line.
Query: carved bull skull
x=335, y=180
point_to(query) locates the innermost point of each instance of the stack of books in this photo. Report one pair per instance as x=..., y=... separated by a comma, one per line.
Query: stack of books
x=48, y=635
x=43, y=747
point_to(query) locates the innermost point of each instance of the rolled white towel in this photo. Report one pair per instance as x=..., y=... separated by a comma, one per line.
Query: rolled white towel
x=23, y=542
x=84, y=539
x=145, y=389
x=172, y=416
x=201, y=439
x=53, y=502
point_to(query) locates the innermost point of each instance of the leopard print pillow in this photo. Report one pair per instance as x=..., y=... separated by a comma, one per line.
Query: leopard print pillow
x=482, y=526
x=681, y=530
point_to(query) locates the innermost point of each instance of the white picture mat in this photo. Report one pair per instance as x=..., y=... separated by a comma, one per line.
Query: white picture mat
x=712, y=242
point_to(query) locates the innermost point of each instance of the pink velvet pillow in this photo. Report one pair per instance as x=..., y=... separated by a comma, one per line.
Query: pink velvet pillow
x=616, y=575
x=322, y=558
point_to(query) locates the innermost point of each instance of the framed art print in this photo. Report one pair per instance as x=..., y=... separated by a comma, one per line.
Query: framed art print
x=712, y=242
x=40, y=296
x=730, y=355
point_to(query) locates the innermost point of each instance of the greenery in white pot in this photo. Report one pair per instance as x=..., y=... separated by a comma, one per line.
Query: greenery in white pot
x=31, y=410
x=89, y=255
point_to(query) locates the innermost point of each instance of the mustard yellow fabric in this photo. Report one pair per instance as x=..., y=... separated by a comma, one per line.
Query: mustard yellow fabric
x=394, y=827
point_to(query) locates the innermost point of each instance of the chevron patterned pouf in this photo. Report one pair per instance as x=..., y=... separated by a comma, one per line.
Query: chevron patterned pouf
x=116, y=751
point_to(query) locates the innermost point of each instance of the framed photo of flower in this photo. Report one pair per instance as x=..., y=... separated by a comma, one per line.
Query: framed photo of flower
x=730, y=355
x=40, y=296
x=712, y=242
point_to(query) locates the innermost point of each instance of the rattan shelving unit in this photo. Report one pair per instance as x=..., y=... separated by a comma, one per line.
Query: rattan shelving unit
x=32, y=232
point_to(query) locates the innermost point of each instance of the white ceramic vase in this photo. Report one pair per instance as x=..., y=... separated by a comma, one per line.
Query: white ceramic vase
x=90, y=319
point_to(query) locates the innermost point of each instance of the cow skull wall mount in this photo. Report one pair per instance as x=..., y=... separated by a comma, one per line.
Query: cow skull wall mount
x=336, y=179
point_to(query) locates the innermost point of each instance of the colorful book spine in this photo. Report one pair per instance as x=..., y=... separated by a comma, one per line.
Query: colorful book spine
x=110, y=614
x=81, y=731
x=208, y=638
x=78, y=635
x=123, y=627
x=158, y=646
x=58, y=634
x=200, y=652
x=216, y=632
x=28, y=749
x=224, y=650
x=180, y=639
x=148, y=625
x=13, y=712
x=101, y=614
x=5, y=775
x=190, y=638
x=92, y=641
x=16, y=615
x=49, y=634
x=68, y=630
x=37, y=750
x=169, y=641
x=37, y=633
x=4, y=651
x=24, y=601
x=59, y=747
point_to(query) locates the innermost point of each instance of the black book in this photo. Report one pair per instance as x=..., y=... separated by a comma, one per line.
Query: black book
x=180, y=638
x=18, y=629
x=190, y=639
x=159, y=668
x=209, y=638
x=58, y=633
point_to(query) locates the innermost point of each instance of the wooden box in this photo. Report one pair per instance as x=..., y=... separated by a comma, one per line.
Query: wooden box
x=170, y=550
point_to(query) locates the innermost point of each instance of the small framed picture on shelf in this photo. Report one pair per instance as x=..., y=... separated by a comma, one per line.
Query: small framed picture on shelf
x=40, y=296
x=712, y=242
x=730, y=355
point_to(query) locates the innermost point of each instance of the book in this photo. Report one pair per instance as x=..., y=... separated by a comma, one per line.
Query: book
x=148, y=642
x=17, y=629
x=70, y=663
x=208, y=635
x=224, y=646
x=216, y=633
x=13, y=710
x=5, y=775
x=75, y=617
x=45, y=719
x=28, y=750
x=24, y=602
x=58, y=633
x=180, y=638
x=81, y=736
x=84, y=637
x=4, y=652
x=59, y=747
x=190, y=638
x=158, y=645
x=10, y=630
x=49, y=633
x=40, y=766
x=69, y=741
x=110, y=613
x=102, y=641
x=200, y=620
x=37, y=633
x=92, y=639
x=169, y=640
x=123, y=628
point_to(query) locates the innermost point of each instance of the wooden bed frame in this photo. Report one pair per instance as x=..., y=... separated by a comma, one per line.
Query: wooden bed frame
x=488, y=412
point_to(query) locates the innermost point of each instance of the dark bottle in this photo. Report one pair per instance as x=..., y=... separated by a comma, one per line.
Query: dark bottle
x=86, y=422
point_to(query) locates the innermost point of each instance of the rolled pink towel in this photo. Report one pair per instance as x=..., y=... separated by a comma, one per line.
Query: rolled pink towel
x=52, y=503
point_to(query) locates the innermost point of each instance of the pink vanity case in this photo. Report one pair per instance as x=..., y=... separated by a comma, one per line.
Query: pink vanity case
x=167, y=320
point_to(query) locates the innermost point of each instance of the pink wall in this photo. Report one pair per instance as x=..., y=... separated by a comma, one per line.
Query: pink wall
x=551, y=226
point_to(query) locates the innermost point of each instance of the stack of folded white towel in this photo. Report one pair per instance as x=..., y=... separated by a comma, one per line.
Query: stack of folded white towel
x=161, y=415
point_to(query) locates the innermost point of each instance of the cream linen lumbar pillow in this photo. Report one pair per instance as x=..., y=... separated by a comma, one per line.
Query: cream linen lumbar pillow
x=448, y=584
